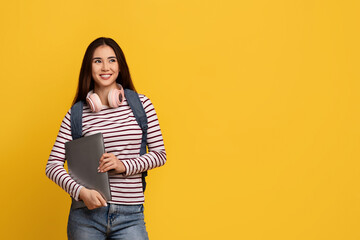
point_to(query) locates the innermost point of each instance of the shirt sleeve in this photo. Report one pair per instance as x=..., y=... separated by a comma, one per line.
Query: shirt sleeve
x=156, y=156
x=55, y=165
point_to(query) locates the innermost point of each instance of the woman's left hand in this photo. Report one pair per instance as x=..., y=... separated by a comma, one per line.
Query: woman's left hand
x=108, y=162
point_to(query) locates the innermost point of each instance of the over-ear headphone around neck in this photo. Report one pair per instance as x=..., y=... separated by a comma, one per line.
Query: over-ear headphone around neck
x=115, y=98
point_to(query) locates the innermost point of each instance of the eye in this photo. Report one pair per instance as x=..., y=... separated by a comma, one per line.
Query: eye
x=97, y=61
x=112, y=60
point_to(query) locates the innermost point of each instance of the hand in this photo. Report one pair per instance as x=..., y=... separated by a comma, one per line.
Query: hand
x=92, y=198
x=108, y=162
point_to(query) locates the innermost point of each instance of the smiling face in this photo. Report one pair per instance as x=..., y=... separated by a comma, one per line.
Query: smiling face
x=105, y=67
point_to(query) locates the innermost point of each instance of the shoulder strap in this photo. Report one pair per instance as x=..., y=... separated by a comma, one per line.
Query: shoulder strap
x=76, y=132
x=76, y=120
x=139, y=113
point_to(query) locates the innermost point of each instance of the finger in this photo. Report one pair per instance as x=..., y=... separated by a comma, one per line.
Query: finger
x=107, y=166
x=102, y=165
x=106, y=156
x=94, y=201
x=96, y=204
x=103, y=162
x=102, y=157
x=101, y=200
x=109, y=154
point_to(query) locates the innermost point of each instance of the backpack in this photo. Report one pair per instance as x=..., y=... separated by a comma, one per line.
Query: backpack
x=139, y=113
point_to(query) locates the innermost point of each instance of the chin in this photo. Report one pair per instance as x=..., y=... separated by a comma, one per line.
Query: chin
x=106, y=83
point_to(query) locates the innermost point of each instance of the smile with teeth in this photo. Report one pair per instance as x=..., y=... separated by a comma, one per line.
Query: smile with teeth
x=105, y=76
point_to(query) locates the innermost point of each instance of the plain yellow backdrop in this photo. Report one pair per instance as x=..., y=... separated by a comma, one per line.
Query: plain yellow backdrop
x=258, y=102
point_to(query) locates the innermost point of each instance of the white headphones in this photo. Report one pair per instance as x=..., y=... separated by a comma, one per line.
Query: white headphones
x=115, y=98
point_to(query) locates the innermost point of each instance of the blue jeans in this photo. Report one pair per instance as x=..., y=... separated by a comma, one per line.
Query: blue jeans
x=112, y=222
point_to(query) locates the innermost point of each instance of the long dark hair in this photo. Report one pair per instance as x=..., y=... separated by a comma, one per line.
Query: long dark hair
x=86, y=83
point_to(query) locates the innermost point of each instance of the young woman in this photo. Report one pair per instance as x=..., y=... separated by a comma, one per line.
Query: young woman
x=104, y=72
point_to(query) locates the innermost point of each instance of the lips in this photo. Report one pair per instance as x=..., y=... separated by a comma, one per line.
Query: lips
x=105, y=76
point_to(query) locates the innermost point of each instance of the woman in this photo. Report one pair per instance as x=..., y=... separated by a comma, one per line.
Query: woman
x=104, y=71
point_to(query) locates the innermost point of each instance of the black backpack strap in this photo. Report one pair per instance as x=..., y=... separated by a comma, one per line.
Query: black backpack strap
x=76, y=120
x=139, y=113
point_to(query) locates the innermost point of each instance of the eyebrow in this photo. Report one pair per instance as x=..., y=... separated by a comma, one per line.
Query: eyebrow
x=100, y=57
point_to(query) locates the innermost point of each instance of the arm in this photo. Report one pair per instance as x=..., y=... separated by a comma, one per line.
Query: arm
x=156, y=156
x=55, y=166
x=55, y=170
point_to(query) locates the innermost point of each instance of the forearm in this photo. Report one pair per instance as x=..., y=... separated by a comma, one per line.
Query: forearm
x=156, y=156
x=57, y=173
x=144, y=163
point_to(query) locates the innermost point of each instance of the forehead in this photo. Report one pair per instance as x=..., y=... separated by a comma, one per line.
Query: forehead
x=103, y=51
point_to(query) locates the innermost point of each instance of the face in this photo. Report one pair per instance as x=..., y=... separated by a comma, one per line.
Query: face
x=105, y=67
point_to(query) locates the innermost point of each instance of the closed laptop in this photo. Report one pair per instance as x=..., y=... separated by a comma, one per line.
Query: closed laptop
x=83, y=156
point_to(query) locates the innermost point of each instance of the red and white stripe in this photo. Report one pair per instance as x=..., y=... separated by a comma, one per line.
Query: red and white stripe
x=122, y=137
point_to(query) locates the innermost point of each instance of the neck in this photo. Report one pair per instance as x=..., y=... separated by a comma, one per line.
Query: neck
x=103, y=92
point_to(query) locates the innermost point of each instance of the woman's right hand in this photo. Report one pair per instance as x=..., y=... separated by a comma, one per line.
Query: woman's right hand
x=92, y=198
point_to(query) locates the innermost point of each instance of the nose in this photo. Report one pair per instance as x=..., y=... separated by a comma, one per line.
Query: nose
x=105, y=66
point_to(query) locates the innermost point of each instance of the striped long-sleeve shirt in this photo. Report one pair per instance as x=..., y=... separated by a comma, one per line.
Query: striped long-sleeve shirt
x=122, y=137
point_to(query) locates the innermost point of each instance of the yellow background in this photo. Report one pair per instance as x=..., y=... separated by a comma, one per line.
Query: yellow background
x=258, y=102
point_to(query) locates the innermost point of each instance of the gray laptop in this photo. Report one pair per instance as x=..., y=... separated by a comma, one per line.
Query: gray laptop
x=83, y=156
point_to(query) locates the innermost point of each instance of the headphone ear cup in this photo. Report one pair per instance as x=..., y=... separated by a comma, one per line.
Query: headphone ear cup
x=116, y=97
x=94, y=102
